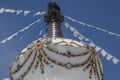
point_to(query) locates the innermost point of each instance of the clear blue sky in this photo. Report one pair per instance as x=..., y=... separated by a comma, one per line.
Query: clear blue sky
x=102, y=13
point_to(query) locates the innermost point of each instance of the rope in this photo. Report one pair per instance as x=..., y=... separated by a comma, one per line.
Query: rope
x=22, y=30
x=26, y=12
x=87, y=41
x=18, y=12
x=97, y=28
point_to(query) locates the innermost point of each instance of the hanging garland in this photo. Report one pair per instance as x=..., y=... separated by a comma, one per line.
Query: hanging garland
x=20, y=66
x=22, y=52
x=91, y=63
x=100, y=67
x=29, y=68
x=68, y=54
x=66, y=65
x=42, y=58
x=89, y=42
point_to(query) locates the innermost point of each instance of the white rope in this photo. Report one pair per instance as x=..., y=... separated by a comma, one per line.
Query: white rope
x=87, y=41
x=18, y=12
x=22, y=30
x=97, y=28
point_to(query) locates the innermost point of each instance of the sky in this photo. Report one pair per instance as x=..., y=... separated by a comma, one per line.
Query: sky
x=100, y=13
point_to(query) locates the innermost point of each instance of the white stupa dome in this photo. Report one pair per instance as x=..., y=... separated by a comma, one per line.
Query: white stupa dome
x=57, y=59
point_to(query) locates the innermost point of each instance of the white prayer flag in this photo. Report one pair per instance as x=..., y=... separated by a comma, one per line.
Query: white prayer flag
x=87, y=40
x=73, y=20
x=104, y=30
x=42, y=13
x=81, y=23
x=88, y=25
x=92, y=44
x=37, y=13
x=3, y=41
x=98, y=28
x=26, y=13
x=12, y=11
x=2, y=10
x=9, y=38
x=80, y=37
x=111, y=33
x=118, y=35
x=115, y=60
x=38, y=20
x=66, y=25
x=72, y=28
x=97, y=48
x=7, y=10
x=109, y=56
x=18, y=12
x=75, y=33
x=103, y=52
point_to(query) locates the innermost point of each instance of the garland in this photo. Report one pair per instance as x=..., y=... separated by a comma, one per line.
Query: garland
x=29, y=68
x=91, y=63
x=20, y=66
x=101, y=72
x=16, y=59
x=68, y=54
x=89, y=42
x=66, y=65
x=42, y=59
x=97, y=71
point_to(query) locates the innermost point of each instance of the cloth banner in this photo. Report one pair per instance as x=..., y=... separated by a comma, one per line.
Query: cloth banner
x=92, y=44
x=66, y=25
x=103, y=52
x=80, y=37
x=97, y=48
x=109, y=56
x=86, y=41
x=72, y=29
x=115, y=60
x=75, y=33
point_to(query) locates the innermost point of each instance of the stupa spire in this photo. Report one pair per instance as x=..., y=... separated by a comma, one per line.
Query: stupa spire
x=54, y=18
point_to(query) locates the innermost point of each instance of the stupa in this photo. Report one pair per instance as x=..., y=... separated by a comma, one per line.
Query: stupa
x=56, y=58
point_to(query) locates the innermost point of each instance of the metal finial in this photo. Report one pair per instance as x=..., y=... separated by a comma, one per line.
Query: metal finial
x=54, y=18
